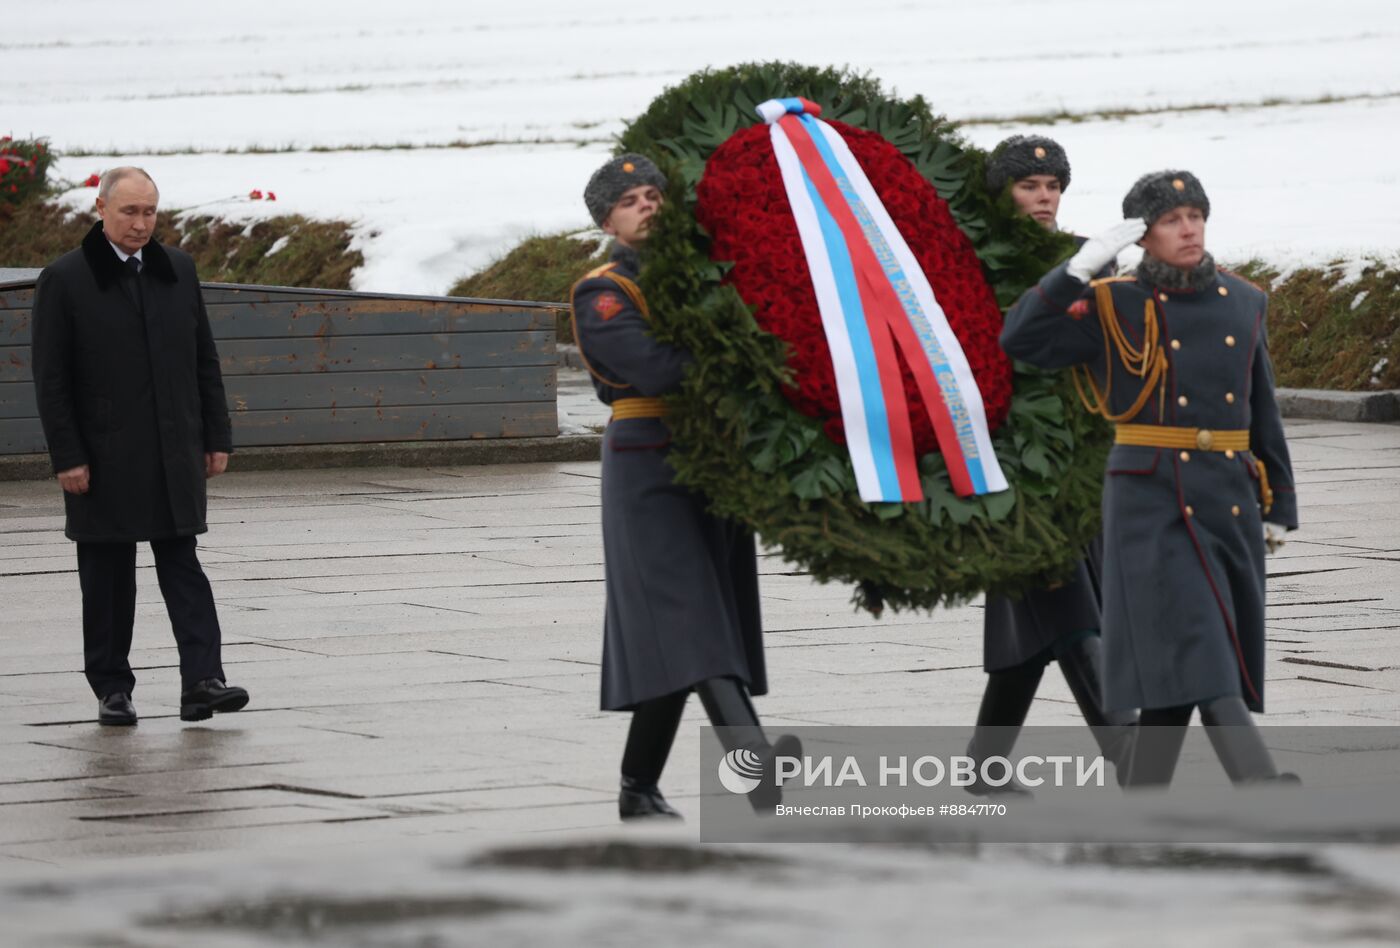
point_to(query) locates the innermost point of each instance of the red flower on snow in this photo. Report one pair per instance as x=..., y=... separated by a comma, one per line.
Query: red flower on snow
x=255, y=195
x=93, y=180
x=272, y=195
x=742, y=204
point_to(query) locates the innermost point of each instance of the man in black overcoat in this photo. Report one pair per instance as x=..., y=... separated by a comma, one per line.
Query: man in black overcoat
x=132, y=404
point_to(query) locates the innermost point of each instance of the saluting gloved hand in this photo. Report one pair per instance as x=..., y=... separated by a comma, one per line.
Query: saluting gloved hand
x=1273, y=537
x=1098, y=252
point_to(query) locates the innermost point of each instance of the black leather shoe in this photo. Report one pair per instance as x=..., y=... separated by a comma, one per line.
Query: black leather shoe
x=638, y=801
x=116, y=710
x=209, y=696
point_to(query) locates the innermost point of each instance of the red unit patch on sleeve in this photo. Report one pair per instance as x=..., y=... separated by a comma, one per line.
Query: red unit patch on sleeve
x=1079, y=309
x=607, y=305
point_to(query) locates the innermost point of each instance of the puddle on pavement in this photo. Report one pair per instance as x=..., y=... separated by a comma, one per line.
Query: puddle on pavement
x=309, y=915
x=623, y=857
x=1139, y=856
x=1179, y=859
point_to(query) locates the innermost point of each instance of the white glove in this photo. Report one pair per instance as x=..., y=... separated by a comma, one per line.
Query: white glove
x=1098, y=252
x=1273, y=537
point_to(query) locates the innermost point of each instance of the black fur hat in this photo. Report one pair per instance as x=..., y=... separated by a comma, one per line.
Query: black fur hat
x=1021, y=156
x=1161, y=191
x=615, y=178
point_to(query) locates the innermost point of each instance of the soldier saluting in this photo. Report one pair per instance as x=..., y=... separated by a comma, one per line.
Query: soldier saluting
x=1198, y=478
x=682, y=586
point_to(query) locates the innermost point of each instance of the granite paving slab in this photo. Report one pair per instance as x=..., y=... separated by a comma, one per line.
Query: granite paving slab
x=422, y=650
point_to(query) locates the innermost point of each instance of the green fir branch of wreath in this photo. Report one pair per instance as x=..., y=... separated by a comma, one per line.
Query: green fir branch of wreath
x=743, y=445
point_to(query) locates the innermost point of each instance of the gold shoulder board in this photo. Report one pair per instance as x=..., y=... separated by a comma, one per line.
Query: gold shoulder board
x=599, y=271
x=1113, y=279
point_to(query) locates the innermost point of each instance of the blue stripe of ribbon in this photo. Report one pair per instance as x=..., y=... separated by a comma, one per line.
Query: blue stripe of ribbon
x=943, y=371
x=877, y=423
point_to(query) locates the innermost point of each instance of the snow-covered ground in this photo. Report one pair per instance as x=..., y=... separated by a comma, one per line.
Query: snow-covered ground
x=447, y=132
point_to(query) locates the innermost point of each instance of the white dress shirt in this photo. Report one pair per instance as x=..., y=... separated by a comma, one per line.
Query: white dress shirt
x=123, y=255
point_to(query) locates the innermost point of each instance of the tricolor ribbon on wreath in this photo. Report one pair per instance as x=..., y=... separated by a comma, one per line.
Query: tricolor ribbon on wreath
x=874, y=300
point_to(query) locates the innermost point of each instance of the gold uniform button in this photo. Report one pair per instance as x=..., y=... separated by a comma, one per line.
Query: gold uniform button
x=1235, y=510
x=1176, y=344
x=1229, y=340
x=1229, y=398
x=1229, y=455
x=1181, y=401
x=1186, y=455
x=1223, y=291
x=1190, y=512
x=1162, y=297
x=1204, y=439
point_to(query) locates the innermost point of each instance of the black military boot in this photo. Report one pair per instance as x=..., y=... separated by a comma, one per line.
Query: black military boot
x=1160, y=734
x=1005, y=703
x=640, y=801
x=727, y=704
x=1114, y=731
x=1239, y=745
x=649, y=739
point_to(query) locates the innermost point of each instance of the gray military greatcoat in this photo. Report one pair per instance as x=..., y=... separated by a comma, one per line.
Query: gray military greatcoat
x=1017, y=630
x=1183, y=610
x=682, y=585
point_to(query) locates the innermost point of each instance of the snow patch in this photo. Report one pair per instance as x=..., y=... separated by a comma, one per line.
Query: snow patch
x=528, y=77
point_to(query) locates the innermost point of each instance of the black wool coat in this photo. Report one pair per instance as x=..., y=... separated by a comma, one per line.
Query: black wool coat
x=133, y=391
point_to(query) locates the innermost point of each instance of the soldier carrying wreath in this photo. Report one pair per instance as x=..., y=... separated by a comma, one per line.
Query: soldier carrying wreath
x=682, y=608
x=1060, y=623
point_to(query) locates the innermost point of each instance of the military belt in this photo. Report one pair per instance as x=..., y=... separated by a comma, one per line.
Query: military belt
x=638, y=408
x=1169, y=436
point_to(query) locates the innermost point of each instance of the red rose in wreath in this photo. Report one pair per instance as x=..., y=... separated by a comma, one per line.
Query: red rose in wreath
x=742, y=204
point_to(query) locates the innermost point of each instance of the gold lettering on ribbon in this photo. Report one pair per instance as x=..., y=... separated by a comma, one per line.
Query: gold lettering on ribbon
x=942, y=369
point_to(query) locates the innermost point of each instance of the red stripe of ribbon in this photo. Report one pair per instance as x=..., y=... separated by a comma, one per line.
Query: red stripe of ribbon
x=876, y=296
x=887, y=319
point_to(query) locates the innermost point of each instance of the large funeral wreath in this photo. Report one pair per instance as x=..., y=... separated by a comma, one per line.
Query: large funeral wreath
x=757, y=425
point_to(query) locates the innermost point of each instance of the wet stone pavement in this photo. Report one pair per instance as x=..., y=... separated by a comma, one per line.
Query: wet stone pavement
x=423, y=761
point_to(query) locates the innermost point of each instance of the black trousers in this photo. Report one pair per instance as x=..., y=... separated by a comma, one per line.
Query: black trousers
x=107, y=575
